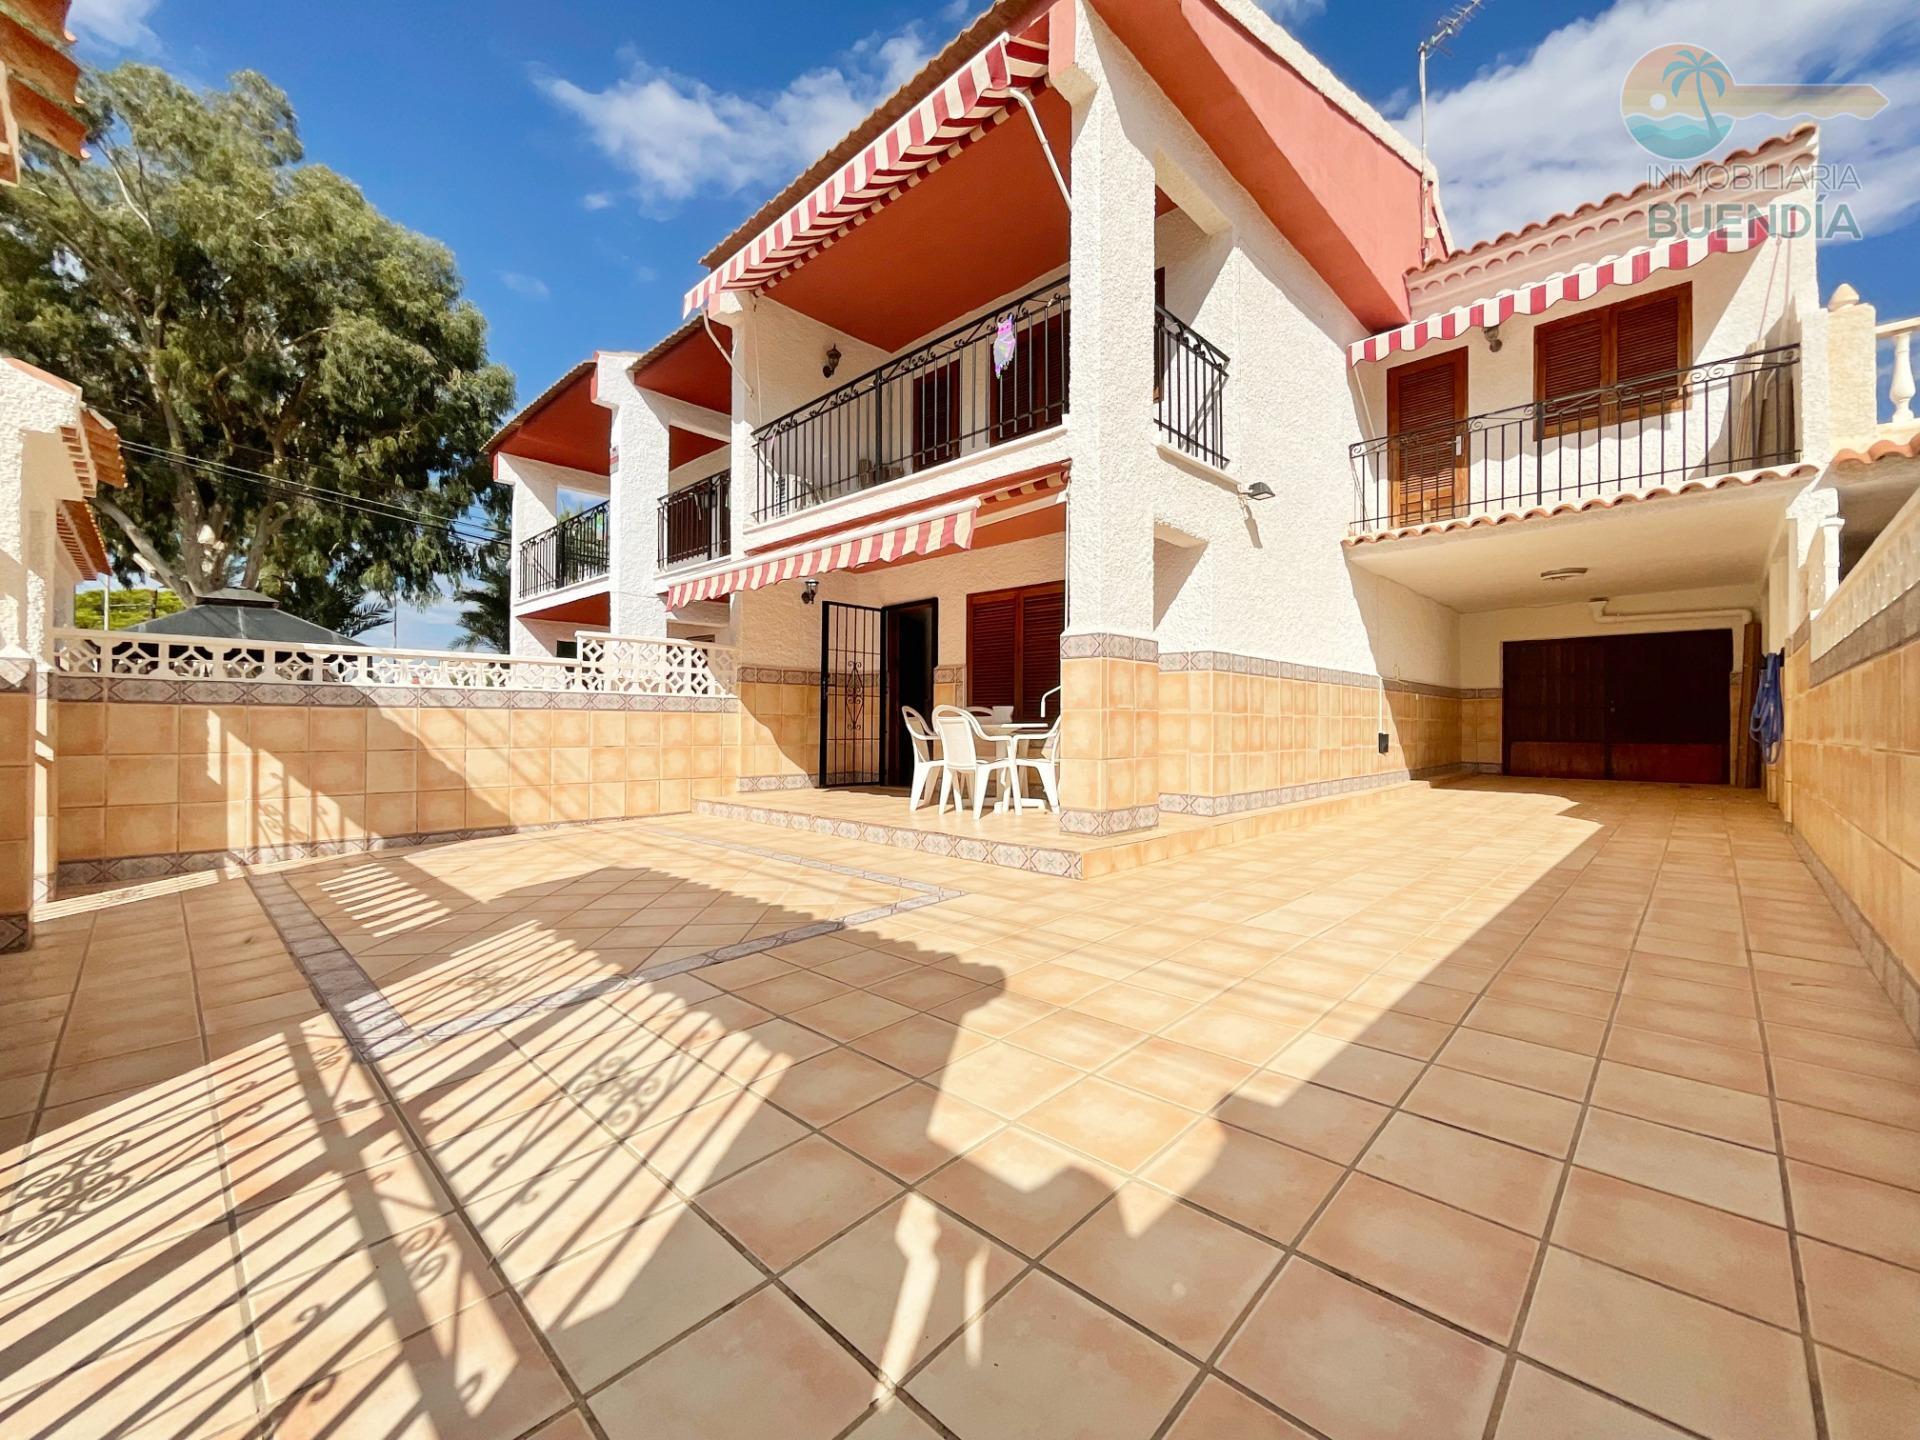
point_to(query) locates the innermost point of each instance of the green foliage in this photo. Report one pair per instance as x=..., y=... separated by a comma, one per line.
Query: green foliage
x=485, y=606
x=218, y=298
x=130, y=607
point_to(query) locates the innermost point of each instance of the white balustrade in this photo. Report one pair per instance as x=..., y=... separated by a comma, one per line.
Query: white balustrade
x=1900, y=390
x=623, y=665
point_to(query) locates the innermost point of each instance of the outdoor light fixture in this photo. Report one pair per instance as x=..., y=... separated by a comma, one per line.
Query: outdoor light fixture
x=1565, y=572
x=1258, y=490
x=833, y=362
x=808, y=591
x=1494, y=342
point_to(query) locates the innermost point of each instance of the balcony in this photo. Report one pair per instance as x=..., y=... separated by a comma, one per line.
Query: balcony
x=569, y=553
x=1707, y=420
x=938, y=402
x=696, y=522
x=1189, y=389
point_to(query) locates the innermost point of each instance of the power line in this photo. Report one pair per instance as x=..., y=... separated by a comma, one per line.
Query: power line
x=470, y=532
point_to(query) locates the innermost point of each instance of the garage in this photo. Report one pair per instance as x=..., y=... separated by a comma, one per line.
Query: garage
x=1618, y=707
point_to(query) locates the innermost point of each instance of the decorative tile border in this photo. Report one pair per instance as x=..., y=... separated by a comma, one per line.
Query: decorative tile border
x=762, y=784
x=195, y=862
x=377, y=1030
x=1216, y=805
x=1040, y=859
x=948, y=674
x=1226, y=662
x=1802, y=633
x=1109, y=647
x=16, y=933
x=1895, y=625
x=773, y=675
x=1123, y=821
x=1901, y=987
x=122, y=691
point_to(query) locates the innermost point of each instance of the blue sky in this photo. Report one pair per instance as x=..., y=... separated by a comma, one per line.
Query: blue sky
x=579, y=155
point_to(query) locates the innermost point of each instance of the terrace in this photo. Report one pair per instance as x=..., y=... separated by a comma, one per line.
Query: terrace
x=1526, y=1109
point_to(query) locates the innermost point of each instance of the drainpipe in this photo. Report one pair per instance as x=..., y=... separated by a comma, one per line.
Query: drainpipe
x=1601, y=615
x=1046, y=147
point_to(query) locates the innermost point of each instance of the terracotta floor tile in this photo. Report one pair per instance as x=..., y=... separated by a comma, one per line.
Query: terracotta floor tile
x=1542, y=1406
x=1855, y=1212
x=1518, y=1062
x=914, y=1131
x=1724, y=1258
x=849, y=1016
x=1706, y=1368
x=1045, y=1364
x=322, y=1224
x=1865, y=1402
x=604, y=1308
x=1556, y=1028
x=1867, y=1097
x=920, y=1044
x=1496, y=1109
x=896, y=1421
x=898, y=1284
x=1406, y=1035
x=1134, y=1006
x=1115, y=1126
x=1004, y=1078
x=1220, y=1412
x=1311, y=1117
x=1356, y=1067
x=780, y=1373
x=1855, y=1303
x=1357, y=1365
x=1178, y=1272
x=1695, y=1167
x=1485, y=1177
x=1685, y=1104
x=532, y=1226
x=1021, y=1189
x=707, y=1144
x=1082, y=1041
x=1247, y=1178
x=1859, y=1147
x=837, y=1082
x=1736, y=1069
x=797, y=1199
x=1441, y=1259
x=1899, y=1063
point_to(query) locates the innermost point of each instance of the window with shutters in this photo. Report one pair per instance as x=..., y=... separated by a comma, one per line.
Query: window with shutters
x=1031, y=393
x=1013, y=648
x=936, y=415
x=1616, y=364
x=1426, y=403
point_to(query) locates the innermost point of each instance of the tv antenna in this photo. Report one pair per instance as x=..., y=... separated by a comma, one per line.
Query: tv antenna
x=1454, y=22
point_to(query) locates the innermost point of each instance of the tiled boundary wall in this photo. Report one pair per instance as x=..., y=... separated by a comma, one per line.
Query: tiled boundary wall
x=1850, y=777
x=22, y=719
x=157, y=777
x=780, y=723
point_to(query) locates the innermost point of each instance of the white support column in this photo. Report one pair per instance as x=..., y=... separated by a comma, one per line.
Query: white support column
x=639, y=480
x=536, y=507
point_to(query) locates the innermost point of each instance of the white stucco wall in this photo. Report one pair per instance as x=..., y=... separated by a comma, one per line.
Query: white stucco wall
x=36, y=474
x=1483, y=632
x=538, y=489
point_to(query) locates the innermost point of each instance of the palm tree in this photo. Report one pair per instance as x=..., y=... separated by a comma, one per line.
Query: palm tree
x=1700, y=66
x=483, y=620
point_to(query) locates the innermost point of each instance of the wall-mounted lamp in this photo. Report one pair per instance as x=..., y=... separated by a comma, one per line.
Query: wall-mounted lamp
x=809, y=591
x=1494, y=342
x=833, y=362
x=1258, y=490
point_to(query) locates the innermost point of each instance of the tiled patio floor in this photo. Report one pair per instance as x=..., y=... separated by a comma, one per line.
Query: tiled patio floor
x=1495, y=1110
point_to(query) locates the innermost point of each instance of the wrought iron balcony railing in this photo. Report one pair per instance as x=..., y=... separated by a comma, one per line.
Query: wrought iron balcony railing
x=696, y=522
x=1189, y=388
x=573, y=551
x=1706, y=420
x=947, y=398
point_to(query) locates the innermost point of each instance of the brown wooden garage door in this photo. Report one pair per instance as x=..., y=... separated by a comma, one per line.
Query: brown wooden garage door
x=1618, y=707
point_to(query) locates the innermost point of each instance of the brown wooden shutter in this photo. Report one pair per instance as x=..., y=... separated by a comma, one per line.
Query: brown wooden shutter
x=1423, y=404
x=1043, y=615
x=936, y=415
x=1648, y=339
x=993, y=648
x=1572, y=356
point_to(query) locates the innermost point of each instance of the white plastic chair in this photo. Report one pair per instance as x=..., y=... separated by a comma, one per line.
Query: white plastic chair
x=926, y=755
x=1045, y=764
x=969, y=753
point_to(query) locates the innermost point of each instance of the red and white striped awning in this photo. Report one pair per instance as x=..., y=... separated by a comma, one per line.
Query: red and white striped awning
x=1580, y=283
x=962, y=110
x=947, y=527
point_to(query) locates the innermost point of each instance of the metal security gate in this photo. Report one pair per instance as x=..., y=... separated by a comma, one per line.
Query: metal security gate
x=852, y=705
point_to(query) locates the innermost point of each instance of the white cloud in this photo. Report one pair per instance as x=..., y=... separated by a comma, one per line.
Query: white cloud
x=119, y=23
x=530, y=287
x=1538, y=133
x=1292, y=12
x=677, y=136
x=596, y=200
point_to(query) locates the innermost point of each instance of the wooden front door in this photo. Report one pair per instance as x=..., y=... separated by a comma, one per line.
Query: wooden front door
x=1619, y=707
x=1426, y=402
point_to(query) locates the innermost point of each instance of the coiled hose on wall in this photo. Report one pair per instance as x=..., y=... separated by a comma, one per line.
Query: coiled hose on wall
x=1769, y=717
